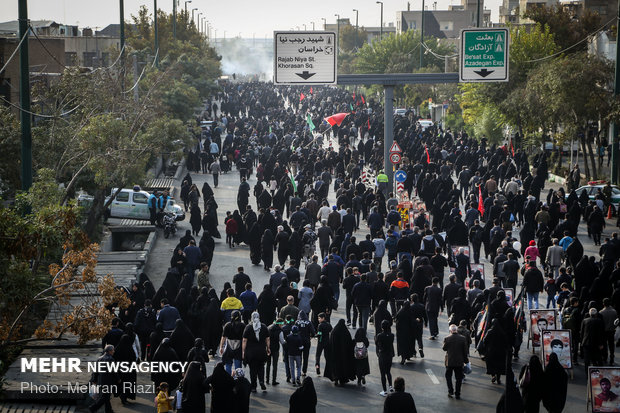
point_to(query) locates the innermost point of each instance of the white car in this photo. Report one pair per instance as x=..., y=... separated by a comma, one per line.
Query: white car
x=592, y=189
x=425, y=123
x=400, y=111
x=133, y=203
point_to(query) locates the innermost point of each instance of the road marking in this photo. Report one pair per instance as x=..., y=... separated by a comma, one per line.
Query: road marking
x=432, y=376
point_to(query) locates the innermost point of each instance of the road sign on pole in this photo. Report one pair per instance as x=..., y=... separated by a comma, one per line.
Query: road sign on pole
x=484, y=55
x=305, y=58
x=395, y=147
x=400, y=176
x=395, y=158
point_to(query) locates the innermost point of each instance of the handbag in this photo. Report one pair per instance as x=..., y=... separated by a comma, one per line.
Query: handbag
x=524, y=381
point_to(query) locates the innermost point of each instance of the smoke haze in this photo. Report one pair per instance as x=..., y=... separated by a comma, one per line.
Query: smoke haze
x=246, y=56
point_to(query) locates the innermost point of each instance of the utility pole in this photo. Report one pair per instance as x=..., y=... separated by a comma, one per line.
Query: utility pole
x=122, y=28
x=188, y=1
x=174, y=19
x=193, y=21
x=614, y=126
x=24, y=96
x=338, y=33
x=422, y=38
x=324, y=23
x=381, y=29
x=312, y=26
x=478, y=16
x=357, y=13
x=156, y=34
x=136, y=93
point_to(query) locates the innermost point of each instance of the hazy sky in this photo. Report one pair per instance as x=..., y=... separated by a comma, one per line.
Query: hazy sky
x=245, y=17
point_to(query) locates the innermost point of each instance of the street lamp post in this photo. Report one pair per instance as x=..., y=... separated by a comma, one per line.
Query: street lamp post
x=193, y=21
x=357, y=13
x=156, y=33
x=422, y=38
x=305, y=29
x=337, y=33
x=381, y=29
x=312, y=26
x=122, y=27
x=198, y=26
x=324, y=23
x=174, y=19
x=188, y=1
x=204, y=25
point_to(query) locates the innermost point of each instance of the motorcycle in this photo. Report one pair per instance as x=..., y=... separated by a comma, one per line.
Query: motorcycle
x=170, y=224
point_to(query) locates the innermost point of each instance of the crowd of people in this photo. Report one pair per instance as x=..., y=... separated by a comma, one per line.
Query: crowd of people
x=468, y=194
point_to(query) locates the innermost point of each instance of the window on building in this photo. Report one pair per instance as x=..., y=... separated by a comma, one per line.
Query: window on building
x=71, y=59
x=446, y=26
x=90, y=58
x=413, y=25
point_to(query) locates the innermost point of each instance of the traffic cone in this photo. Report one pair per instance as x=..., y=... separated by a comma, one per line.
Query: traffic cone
x=609, y=213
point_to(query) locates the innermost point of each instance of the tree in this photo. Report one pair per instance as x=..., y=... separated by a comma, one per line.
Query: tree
x=47, y=259
x=351, y=39
x=567, y=30
x=9, y=144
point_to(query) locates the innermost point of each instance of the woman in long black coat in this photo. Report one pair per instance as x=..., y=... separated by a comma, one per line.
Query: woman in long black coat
x=254, y=238
x=155, y=339
x=207, y=246
x=124, y=352
x=212, y=323
x=240, y=236
x=380, y=314
x=532, y=391
x=362, y=367
x=267, y=249
x=496, y=346
x=405, y=344
x=556, y=382
x=181, y=339
x=303, y=400
x=194, y=389
x=340, y=364
x=221, y=386
x=267, y=305
x=195, y=219
x=165, y=353
x=323, y=301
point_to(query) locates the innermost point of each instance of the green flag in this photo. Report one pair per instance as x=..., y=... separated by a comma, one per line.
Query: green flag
x=293, y=182
x=351, y=105
x=310, y=124
x=269, y=129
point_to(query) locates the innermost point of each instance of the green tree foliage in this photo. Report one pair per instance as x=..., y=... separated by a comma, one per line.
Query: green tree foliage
x=399, y=53
x=567, y=29
x=350, y=39
x=9, y=144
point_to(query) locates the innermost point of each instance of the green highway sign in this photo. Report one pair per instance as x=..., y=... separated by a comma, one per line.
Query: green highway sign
x=484, y=55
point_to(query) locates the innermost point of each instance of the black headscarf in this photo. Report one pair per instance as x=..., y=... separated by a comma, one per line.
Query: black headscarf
x=304, y=399
x=340, y=364
x=166, y=353
x=221, y=384
x=193, y=399
x=181, y=339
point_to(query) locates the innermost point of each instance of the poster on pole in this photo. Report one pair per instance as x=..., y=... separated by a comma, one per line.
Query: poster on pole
x=541, y=320
x=604, y=389
x=558, y=342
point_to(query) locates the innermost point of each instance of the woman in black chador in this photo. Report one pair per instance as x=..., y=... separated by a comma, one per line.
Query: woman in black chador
x=340, y=365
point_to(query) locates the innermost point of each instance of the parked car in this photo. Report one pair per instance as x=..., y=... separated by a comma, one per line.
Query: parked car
x=592, y=189
x=133, y=203
x=425, y=123
x=400, y=111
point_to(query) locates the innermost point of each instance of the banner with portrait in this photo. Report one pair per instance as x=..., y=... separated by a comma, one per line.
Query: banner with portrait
x=510, y=295
x=558, y=342
x=541, y=320
x=604, y=389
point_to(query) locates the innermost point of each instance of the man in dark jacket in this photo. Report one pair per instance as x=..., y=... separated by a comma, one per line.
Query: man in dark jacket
x=433, y=303
x=362, y=297
x=534, y=283
x=105, y=378
x=511, y=271
x=450, y=292
x=348, y=222
x=592, y=338
x=455, y=346
x=399, y=401
x=463, y=269
x=144, y=325
x=240, y=279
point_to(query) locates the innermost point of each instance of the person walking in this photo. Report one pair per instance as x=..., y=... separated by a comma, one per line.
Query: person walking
x=532, y=383
x=106, y=378
x=255, y=350
x=362, y=367
x=534, y=284
x=295, y=346
x=384, y=347
x=455, y=346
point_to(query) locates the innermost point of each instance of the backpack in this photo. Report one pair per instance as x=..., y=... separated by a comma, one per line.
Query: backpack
x=360, y=352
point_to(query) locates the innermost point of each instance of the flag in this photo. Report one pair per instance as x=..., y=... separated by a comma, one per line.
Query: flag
x=310, y=123
x=270, y=130
x=428, y=156
x=290, y=175
x=512, y=148
x=351, y=106
x=353, y=95
x=336, y=119
x=310, y=89
x=301, y=96
x=480, y=201
x=368, y=120
x=363, y=101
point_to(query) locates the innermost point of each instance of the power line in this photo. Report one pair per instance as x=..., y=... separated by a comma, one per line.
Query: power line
x=14, y=53
x=571, y=46
x=40, y=115
x=45, y=48
x=136, y=84
x=439, y=56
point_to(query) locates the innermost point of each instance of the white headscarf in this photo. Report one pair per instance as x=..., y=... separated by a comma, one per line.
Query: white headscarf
x=256, y=324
